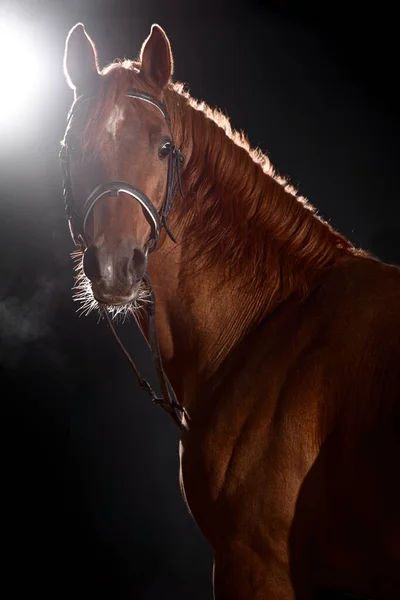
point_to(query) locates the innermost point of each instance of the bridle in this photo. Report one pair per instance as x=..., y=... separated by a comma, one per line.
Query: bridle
x=78, y=217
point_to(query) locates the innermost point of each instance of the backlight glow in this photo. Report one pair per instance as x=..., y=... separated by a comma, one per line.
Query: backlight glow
x=19, y=73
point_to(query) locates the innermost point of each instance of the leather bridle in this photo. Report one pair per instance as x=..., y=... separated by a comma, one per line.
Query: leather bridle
x=78, y=217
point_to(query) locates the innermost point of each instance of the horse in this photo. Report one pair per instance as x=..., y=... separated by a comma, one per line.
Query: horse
x=280, y=338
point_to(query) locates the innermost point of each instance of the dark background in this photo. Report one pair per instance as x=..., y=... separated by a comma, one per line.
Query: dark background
x=90, y=476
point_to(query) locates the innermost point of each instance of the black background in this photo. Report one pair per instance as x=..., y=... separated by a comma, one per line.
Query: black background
x=90, y=477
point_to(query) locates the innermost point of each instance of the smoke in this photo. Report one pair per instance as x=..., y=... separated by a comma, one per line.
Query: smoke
x=26, y=321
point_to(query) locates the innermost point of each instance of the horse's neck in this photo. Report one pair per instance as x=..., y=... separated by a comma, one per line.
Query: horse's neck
x=222, y=279
x=199, y=317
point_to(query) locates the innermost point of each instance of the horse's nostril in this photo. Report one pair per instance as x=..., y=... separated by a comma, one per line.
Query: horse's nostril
x=139, y=263
x=91, y=264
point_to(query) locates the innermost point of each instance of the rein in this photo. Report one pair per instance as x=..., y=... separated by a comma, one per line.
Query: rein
x=77, y=219
x=168, y=401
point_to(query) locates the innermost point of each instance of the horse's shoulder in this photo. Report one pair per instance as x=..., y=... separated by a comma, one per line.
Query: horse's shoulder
x=348, y=327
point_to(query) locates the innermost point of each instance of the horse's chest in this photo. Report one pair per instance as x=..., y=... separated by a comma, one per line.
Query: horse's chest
x=249, y=455
x=244, y=473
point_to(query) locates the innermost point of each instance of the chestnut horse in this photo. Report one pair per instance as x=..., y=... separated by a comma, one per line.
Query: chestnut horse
x=280, y=339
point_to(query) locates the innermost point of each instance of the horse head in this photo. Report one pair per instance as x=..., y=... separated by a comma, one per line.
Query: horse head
x=121, y=164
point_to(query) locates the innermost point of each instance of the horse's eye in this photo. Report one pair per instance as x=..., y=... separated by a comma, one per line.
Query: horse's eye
x=164, y=150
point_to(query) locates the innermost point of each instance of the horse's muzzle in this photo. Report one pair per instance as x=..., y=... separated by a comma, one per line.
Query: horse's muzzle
x=115, y=271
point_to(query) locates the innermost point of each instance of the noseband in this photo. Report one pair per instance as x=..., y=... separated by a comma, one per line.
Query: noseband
x=78, y=217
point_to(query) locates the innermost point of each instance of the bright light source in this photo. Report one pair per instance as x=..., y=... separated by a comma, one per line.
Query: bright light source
x=19, y=73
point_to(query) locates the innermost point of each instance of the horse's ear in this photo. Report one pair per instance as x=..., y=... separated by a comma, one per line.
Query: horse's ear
x=156, y=58
x=80, y=59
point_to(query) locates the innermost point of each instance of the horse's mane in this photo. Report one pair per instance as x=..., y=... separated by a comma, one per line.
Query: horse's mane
x=238, y=212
